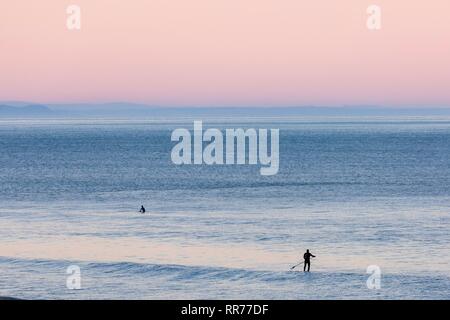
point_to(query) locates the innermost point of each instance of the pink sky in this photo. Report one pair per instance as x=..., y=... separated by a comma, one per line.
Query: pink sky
x=227, y=52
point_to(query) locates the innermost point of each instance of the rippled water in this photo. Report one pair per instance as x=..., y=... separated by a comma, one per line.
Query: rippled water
x=356, y=193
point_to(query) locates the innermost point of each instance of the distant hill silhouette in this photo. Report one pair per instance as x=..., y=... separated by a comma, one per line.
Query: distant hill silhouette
x=138, y=111
x=29, y=110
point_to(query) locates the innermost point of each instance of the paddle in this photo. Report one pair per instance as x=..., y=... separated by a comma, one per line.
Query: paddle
x=292, y=268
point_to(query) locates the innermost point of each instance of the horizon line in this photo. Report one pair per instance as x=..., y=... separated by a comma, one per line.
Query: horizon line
x=148, y=105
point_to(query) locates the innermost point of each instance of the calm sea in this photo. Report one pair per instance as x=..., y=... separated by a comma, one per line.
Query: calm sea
x=354, y=192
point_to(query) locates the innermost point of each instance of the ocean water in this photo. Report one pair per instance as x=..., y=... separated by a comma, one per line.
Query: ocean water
x=355, y=192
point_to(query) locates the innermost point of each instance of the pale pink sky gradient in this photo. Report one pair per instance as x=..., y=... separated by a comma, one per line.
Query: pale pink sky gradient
x=227, y=52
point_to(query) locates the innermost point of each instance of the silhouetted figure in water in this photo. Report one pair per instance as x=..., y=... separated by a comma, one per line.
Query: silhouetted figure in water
x=307, y=256
x=142, y=209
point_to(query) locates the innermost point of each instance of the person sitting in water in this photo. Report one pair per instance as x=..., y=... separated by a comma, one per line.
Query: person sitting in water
x=142, y=209
x=307, y=256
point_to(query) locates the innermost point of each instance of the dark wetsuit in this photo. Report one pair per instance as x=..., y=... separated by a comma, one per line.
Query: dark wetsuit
x=307, y=256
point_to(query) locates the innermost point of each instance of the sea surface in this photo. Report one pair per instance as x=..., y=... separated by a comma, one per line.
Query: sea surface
x=356, y=192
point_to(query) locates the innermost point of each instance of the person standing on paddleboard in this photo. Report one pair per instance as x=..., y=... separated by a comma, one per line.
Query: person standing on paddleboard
x=307, y=256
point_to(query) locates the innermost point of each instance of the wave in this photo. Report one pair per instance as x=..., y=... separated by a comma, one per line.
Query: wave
x=179, y=272
x=188, y=272
x=130, y=280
